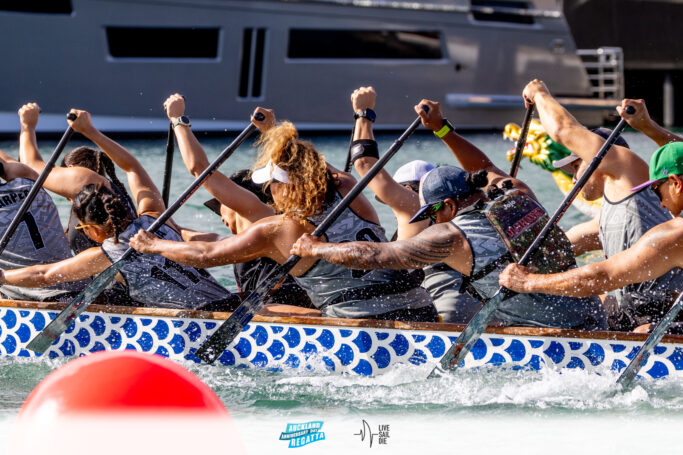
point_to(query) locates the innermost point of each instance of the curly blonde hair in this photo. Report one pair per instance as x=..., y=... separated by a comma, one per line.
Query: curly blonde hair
x=305, y=167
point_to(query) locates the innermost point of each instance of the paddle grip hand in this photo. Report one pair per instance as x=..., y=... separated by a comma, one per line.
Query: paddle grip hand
x=71, y=116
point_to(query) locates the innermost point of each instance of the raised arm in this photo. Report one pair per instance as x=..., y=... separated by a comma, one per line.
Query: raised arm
x=402, y=201
x=439, y=243
x=65, y=181
x=620, y=163
x=144, y=191
x=471, y=158
x=657, y=252
x=11, y=169
x=641, y=121
x=86, y=264
x=219, y=185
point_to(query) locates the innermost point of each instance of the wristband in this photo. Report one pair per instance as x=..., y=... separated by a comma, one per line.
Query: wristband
x=365, y=113
x=445, y=129
x=363, y=147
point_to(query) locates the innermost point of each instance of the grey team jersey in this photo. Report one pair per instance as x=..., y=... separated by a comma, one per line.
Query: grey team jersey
x=39, y=239
x=443, y=285
x=537, y=310
x=326, y=282
x=622, y=223
x=155, y=281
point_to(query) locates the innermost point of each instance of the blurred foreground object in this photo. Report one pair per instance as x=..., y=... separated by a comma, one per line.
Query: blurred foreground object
x=116, y=402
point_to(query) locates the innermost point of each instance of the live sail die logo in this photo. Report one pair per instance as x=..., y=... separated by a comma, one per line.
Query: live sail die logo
x=301, y=434
x=366, y=433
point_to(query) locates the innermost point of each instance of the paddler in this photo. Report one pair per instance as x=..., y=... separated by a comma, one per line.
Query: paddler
x=466, y=239
x=400, y=193
x=304, y=190
x=39, y=238
x=659, y=252
x=625, y=215
x=105, y=217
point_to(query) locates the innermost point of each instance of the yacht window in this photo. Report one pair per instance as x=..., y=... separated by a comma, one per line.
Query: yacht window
x=363, y=44
x=501, y=11
x=37, y=6
x=154, y=42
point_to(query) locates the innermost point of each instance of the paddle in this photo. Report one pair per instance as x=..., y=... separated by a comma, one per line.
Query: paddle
x=37, y=185
x=462, y=345
x=629, y=374
x=170, y=148
x=521, y=141
x=214, y=346
x=44, y=339
x=347, y=166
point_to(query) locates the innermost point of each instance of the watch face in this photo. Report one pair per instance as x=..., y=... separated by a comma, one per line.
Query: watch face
x=370, y=115
x=184, y=120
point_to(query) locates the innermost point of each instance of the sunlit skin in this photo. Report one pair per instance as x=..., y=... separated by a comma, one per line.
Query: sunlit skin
x=654, y=254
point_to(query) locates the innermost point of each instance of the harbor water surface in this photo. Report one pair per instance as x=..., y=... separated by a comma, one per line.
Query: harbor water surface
x=485, y=410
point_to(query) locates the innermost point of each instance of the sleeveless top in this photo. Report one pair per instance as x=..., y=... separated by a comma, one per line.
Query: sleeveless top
x=622, y=223
x=345, y=293
x=249, y=274
x=536, y=310
x=39, y=239
x=78, y=240
x=443, y=285
x=155, y=281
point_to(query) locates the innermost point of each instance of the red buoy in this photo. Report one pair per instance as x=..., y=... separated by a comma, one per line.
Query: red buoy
x=117, y=402
x=121, y=381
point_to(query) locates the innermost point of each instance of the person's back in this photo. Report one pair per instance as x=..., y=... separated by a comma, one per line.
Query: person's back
x=38, y=239
x=342, y=292
x=159, y=282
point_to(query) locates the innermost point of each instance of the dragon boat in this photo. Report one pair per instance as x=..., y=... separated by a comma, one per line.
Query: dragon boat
x=541, y=150
x=359, y=347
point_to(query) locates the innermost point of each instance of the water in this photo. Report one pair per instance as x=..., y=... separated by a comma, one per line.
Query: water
x=483, y=410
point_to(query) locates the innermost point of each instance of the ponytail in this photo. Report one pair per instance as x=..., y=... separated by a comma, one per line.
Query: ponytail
x=98, y=205
x=97, y=161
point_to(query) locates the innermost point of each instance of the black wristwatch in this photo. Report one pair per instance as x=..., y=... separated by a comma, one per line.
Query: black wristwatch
x=365, y=113
x=182, y=120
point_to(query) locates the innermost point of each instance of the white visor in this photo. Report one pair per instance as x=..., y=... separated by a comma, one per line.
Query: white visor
x=270, y=171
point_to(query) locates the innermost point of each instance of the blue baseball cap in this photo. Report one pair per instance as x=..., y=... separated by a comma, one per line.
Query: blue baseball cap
x=439, y=184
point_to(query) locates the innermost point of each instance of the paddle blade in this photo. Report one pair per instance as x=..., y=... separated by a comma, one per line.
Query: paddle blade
x=458, y=350
x=54, y=329
x=630, y=372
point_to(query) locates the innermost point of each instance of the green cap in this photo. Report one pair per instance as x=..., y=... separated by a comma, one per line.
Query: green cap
x=666, y=161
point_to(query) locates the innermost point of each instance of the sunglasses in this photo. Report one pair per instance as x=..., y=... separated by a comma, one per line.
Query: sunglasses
x=655, y=186
x=431, y=211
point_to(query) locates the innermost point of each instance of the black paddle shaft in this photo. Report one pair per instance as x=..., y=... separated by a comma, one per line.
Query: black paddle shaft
x=199, y=181
x=170, y=148
x=37, y=185
x=521, y=141
x=233, y=326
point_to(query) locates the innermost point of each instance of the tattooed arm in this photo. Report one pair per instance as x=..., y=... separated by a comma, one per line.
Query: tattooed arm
x=440, y=243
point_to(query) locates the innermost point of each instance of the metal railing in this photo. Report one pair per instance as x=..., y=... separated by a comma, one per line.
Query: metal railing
x=605, y=68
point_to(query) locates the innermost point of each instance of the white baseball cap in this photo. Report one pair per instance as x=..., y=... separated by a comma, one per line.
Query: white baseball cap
x=270, y=171
x=412, y=171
